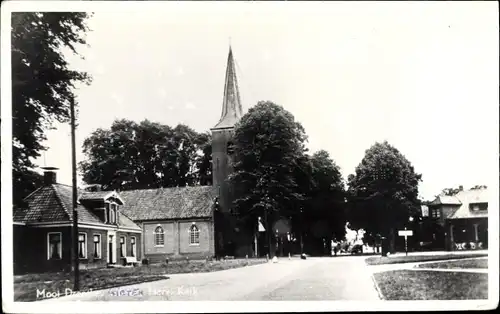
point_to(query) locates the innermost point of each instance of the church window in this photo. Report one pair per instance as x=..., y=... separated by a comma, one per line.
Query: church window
x=159, y=236
x=194, y=235
x=217, y=168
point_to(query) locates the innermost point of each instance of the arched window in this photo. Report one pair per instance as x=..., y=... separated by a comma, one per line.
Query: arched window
x=159, y=236
x=217, y=166
x=194, y=235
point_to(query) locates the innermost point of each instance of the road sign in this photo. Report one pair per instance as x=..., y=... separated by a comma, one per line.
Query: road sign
x=405, y=233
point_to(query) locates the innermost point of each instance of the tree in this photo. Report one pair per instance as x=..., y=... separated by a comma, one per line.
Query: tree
x=451, y=191
x=479, y=187
x=383, y=192
x=323, y=215
x=146, y=155
x=42, y=85
x=267, y=144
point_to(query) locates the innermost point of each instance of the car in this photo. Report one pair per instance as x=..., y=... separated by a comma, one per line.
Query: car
x=356, y=249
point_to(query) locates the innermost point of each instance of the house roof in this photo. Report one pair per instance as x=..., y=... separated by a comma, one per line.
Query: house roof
x=446, y=200
x=169, y=203
x=470, y=197
x=53, y=203
x=461, y=202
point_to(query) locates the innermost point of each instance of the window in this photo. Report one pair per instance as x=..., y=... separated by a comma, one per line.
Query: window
x=159, y=236
x=132, y=247
x=97, y=246
x=194, y=235
x=217, y=168
x=82, y=245
x=478, y=206
x=112, y=213
x=54, y=247
x=436, y=213
x=123, y=247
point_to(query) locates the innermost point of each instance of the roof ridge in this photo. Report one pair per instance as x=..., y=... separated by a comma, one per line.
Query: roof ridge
x=168, y=188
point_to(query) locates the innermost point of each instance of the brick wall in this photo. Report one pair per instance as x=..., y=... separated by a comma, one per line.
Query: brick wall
x=177, y=244
x=91, y=261
x=128, y=246
x=30, y=250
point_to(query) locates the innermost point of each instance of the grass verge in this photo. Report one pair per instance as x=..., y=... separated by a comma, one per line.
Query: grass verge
x=432, y=285
x=381, y=260
x=466, y=263
x=30, y=287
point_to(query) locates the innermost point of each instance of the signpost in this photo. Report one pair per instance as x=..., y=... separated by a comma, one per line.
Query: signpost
x=405, y=233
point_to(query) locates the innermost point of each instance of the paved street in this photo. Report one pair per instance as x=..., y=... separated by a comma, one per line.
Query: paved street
x=335, y=278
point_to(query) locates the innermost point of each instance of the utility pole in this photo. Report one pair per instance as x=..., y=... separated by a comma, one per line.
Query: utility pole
x=268, y=231
x=76, y=282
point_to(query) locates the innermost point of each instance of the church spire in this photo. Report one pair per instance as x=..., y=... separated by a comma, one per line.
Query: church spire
x=231, y=103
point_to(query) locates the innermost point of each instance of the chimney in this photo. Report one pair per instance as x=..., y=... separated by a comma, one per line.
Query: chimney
x=460, y=187
x=49, y=175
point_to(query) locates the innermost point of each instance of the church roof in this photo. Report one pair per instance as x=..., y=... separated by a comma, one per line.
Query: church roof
x=232, y=109
x=169, y=203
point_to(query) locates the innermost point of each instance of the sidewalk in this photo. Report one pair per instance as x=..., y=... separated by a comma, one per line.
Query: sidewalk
x=413, y=266
x=437, y=253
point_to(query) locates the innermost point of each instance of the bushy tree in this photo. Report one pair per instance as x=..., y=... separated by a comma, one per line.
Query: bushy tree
x=383, y=192
x=323, y=211
x=268, y=142
x=42, y=85
x=143, y=155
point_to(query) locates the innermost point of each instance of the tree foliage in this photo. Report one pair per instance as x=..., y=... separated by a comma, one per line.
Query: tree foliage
x=42, y=84
x=383, y=192
x=144, y=155
x=274, y=177
x=324, y=208
x=451, y=191
x=268, y=142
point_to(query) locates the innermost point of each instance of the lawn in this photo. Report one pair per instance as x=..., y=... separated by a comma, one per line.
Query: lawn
x=26, y=286
x=466, y=263
x=432, y=285
x=380, y=260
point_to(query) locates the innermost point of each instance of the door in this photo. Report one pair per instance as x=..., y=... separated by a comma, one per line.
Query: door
x=110, y=249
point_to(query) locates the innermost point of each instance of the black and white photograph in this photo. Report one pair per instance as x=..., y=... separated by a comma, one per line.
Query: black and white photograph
x=259, y=153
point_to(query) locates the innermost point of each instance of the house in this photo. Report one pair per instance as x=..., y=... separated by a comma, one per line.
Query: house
x=43, y=229
x=462, y=218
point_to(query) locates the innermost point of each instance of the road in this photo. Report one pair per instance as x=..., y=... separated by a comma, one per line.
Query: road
x=329, y=278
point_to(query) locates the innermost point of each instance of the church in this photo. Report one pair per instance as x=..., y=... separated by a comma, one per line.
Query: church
x=196, y=221
x=152, y=224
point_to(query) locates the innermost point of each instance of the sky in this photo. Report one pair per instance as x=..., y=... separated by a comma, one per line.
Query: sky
x=423, y=76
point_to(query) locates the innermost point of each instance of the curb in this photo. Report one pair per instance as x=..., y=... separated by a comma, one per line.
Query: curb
x=380, y=295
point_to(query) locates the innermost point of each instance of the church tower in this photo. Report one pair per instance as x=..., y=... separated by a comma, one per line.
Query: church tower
x=222, y=134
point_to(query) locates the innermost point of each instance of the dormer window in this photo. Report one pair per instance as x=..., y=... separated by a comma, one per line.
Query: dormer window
x=478, y=207
x=112, y=209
